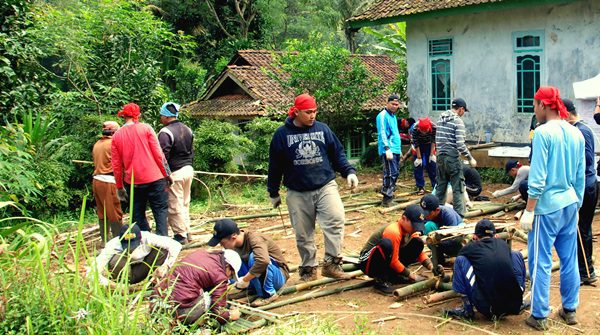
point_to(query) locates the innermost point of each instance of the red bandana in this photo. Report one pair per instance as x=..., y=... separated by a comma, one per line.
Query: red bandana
x=130, y=110
x=425, y=125
x=302, y=102
x=550, y=96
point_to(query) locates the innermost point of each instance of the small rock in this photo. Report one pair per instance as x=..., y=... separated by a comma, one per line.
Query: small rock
x=395, y=305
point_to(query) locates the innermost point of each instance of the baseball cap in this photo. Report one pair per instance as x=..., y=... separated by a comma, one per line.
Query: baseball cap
x=416, y=216
x=130, y=238
x=233, y=259
x=429, y=203
x=393, y=97
x=223, y=228
x=485, y=228
x=512, y=163
x=569, y=105
x=459, y=102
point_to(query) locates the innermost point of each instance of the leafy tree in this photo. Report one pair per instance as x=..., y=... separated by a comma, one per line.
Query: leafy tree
x=216, y=144
x=260, y=130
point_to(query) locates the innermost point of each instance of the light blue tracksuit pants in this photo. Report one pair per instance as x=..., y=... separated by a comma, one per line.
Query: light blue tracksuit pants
x=267, y=284
x=559, y=229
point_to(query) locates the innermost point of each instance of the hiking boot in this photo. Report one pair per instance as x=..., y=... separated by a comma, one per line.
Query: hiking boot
x=180, y=239
x=264, y=301
x=459, y=313
x=333, y=269
x=569, y=317
x=307, y=273
x=387, y=202
x=538, y=324
x=383, y=287
x=589, y=280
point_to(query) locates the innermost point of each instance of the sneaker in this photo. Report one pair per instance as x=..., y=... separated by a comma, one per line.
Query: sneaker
x=387, y=202
x=264, y=301
x=333, y=269
x=180, y=239
x=383, y=287
x=307, y=273
x=589, y=280
x=569, y=317
x=538, y=324
x=459, y=313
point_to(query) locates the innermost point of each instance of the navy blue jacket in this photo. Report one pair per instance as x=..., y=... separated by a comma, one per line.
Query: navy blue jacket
x=306, y=157
x=590, y=169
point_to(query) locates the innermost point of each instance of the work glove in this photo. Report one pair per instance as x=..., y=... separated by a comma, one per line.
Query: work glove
x=433, y=159
x=438, y=270
x=242, y=284
x=473, y=162
x=122, y=194
x=275, y=201
x=515, y=198
x=496, y=194
x=352, y=180
x=418, y=162
x=527, y=221
x=161, y=271
x=389, y=155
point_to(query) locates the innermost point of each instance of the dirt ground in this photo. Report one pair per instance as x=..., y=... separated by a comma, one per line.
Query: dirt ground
x=366, y=303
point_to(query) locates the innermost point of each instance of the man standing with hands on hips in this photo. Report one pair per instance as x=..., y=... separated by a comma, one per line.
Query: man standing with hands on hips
x=556, y=188
x=307, y=154
x=389, y=147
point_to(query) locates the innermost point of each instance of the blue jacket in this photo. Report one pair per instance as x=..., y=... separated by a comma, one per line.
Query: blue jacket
x=557, y=172
x=590, y=161
x=388, y=135
x=306, y=157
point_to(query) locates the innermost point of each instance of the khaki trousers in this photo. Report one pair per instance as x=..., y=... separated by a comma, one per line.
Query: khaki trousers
x=108, y=208
x=179, y=201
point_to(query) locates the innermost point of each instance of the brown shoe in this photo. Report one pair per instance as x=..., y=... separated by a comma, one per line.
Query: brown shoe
x=264, y=301
x=307, y=273
x=569, y=317
x=333, y=269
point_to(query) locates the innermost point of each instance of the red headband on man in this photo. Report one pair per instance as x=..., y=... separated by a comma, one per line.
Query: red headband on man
x=130, y=110
x=425, y=125
x=302, y=102
x=550, y=96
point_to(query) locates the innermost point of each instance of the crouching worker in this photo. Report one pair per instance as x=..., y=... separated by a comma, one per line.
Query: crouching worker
x=136, y=254
x=437, y=217
x=263, y=269
x=198, y=287
x=490, y=275
x=392, y=248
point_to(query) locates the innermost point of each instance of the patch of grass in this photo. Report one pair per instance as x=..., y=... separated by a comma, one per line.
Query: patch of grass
x=494, y=175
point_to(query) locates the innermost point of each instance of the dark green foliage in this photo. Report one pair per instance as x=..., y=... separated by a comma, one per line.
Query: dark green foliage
x=260, y=131
x=216, y=144
x=494, y=175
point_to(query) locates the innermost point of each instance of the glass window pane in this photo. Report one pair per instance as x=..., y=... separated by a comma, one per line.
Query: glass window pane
x=528, y=81
x=440, y=84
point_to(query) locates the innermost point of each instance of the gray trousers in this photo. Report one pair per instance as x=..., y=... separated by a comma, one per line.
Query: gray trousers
x=449, y=171
x=324, y=205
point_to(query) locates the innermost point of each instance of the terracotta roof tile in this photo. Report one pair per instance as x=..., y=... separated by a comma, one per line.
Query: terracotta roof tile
x=226, y=108
x=390, y=8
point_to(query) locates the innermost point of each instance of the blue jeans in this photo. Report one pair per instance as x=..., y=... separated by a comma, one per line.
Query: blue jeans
x=268, y=283
x=419, y=171
x=523, y=188
x=390, y=175
x=156, y=193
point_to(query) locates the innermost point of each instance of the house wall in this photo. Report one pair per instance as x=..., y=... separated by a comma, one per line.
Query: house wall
x=483, y=64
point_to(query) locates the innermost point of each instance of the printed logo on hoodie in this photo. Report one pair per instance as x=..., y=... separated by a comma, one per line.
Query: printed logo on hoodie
x=308, y=152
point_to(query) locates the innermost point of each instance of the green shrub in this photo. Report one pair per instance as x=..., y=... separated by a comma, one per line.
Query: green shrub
x=216, y=144
x=494, y=175
x=260, y=131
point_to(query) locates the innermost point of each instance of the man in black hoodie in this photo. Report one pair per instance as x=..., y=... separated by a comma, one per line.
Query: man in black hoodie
x=307, y=154
x=489, y=274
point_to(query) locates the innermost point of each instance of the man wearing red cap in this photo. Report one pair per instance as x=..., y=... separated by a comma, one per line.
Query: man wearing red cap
x=307, y=154
x=137, y=155
x=108, y=206
x=423, y=140
x=556, y=188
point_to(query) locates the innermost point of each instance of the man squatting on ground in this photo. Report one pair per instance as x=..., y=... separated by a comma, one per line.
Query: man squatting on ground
x=489, y=275
x=450, y=143
x=199, y=284
x=388, y=252
x=437, y=217
x=136, y=152
x=306, y=153
x=556, y=189
x=590, y=198
x=135, y=253
x=108, y=206
x=389, y=147
x=263, y=269
x=520, y=172
x=177, y=144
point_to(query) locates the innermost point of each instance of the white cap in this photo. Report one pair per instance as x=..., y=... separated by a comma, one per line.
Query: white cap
x=233, y=259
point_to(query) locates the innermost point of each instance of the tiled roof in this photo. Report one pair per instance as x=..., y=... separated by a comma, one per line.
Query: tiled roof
x=250, y=68
x=391, y=8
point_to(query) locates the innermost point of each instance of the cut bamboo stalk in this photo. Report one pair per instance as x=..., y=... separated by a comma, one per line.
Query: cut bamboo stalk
x=232, y=174
x=399, y=206
x=318, y=282
x=415, y=288
x=518, y=233
x=483, y=145
x=439, y=296
x=319, y=294
x=494, y=209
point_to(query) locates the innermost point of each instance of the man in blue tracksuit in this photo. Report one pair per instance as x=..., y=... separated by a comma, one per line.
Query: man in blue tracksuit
x=590, y=198
x=556, y=188
x=307, y=154
x=389, y=147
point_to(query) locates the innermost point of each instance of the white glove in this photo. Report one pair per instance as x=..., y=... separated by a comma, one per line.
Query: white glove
x=352, y=180
x=473, y=162
x=433, y=158
x=389, y=155
x=418, y=162
x=515, y=198
x=527, y=221
x=496, y=194
x=103, y=281
x=275, y=201
x=242, y=284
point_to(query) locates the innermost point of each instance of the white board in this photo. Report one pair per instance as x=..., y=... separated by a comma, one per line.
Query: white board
x=517, y=152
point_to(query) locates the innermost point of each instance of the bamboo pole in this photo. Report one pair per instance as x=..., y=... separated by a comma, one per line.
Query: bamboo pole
x=399, y=206
x=415, y=288
x=232, y=174
x=318, y=294
x=483, y=145
x=439, y=296
x=318, y=282
x=493, y=209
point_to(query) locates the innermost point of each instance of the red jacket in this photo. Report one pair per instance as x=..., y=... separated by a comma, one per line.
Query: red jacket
x=135, y=149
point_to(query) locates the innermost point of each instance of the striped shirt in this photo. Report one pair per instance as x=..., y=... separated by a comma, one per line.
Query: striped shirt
x=419, y=137
x=450, y=135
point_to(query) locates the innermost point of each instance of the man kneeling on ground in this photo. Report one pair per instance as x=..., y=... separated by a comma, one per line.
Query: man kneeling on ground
x=490, y=275
x=136, y=254
x=264, y=268
x=198, y=285
x=392, y=248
